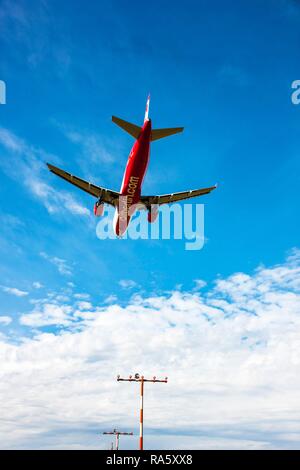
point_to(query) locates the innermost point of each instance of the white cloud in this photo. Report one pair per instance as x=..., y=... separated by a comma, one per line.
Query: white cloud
x=199, y=284
x=83, y=305
x=37, y=285
x=60, y=263
x=93, y=145
x=47, y=314
x=82, y=295
x=27, y=165
x=14, y=291
x=127, y=283
x=11, y=141
x=110, y=299
x=5, y=320
x=231, y=355
x=11, y=221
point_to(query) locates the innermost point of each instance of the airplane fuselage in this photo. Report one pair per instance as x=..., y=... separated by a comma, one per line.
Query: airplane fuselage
x=133, y=178
x=130, y=199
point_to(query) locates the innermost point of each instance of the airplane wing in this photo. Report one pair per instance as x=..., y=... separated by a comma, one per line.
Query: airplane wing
x=106, y=195
x=168, y=198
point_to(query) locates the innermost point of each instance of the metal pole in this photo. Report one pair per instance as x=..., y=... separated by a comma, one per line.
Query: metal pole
x=141, y=412
x=117, y=434
x=142, y=380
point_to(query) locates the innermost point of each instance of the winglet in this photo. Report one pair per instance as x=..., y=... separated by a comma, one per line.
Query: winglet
x=147, y=109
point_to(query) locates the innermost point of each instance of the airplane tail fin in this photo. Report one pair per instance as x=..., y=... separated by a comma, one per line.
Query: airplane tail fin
x=135, y=131
x=132, y=129
x=161, y=133
x=147, y=109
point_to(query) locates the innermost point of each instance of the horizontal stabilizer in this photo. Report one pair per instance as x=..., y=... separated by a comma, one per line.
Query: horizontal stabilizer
x=161, y=133
x=132, y=129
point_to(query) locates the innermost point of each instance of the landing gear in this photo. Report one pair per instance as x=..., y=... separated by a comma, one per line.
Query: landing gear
x=98, y=208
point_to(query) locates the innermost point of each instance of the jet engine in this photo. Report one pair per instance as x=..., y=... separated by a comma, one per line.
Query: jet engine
x=99, y=208
x=153, y=214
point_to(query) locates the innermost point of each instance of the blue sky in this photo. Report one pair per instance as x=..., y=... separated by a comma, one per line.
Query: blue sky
x=221, y=69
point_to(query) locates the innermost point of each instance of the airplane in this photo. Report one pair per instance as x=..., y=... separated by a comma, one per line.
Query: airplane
x=129, y=199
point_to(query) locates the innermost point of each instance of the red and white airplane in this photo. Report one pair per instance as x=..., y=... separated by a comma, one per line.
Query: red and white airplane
x=129, y=199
